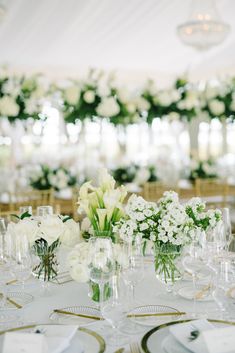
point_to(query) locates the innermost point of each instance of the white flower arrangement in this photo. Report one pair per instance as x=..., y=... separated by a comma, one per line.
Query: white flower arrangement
x=80, y=259
x=51, y=228
x=103, y=205
x=167, y=221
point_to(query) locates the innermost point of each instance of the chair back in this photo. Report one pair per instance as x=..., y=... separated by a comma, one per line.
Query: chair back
x=152, y=191
x=32, y=198
x=214, y=190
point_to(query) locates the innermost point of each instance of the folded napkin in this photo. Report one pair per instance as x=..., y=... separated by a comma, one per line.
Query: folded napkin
x=58, y=337
x=182, y=334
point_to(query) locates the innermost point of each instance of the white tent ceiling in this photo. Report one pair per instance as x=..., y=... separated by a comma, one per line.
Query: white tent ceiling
x=64, y=37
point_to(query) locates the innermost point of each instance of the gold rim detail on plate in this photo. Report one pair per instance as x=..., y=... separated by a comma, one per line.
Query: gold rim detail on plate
x=146, y=337
x=99, y=339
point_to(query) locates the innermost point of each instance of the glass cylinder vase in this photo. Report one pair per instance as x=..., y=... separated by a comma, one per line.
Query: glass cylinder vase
x=168, y=264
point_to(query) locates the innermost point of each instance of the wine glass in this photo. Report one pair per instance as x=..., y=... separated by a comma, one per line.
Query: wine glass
x=226, y=227
x=132, y=273
x=2, y=236
x=224, y=289
x=43, y=211
x=102, y=263
x=193, y=264
x=22, y=263
x=113, y=312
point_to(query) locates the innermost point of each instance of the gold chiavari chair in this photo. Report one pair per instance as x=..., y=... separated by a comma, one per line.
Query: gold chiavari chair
x=32, y=198
x=213, y=190
x=75, y=194
x=152, y=191
x=9, y=216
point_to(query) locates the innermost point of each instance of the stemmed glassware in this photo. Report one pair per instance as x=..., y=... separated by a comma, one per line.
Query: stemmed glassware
x=24, y=209
x=224, y=289
x=102, y=264
x=193, y=264
x=226, y=227
x=113, y=311
x=132, y=273
x=43, y=211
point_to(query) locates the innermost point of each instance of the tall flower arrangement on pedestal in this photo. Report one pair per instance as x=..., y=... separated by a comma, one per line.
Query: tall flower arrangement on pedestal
x=22, y=97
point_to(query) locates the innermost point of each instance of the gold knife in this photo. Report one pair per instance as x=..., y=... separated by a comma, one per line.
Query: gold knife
x=18, y=306
x=79, y=315
x=157, y=314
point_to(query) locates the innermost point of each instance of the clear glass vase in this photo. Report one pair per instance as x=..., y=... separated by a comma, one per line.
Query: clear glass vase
x=168, y=267
x=46, y=264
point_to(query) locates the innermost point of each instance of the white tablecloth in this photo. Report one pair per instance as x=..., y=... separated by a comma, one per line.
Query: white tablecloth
x=149, y=291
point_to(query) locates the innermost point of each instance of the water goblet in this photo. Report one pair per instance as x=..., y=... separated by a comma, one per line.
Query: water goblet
x=43, y=211
x=114, y=313
x=24, y=209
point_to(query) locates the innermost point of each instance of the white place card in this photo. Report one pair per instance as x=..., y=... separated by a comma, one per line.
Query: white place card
x=220, y=340
x=21, y=342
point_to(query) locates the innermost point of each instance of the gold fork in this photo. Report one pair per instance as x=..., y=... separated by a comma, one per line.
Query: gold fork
x=135, y=348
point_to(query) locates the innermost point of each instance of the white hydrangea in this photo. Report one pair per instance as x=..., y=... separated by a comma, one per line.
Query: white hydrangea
x=72, y=95
x=89, y=96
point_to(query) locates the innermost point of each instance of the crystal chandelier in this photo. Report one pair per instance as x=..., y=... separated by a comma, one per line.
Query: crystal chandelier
x=204, y=29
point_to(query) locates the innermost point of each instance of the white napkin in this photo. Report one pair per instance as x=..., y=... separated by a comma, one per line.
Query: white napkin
x=57, y=337
x=182, y=332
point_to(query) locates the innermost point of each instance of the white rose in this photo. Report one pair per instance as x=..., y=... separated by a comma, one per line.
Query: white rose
x=164, y=98
x=108, y=107
x=31, y=106
x=51, y=228
x=142, y=104
x=8, y=106
x=27, y=226
x=131, y=107
x=89, y=96
x=211, y=92
x=123, y=95
x=80, y=273
x=71, y=235
x=103, y=90
x=216, y=107
x=72, y=95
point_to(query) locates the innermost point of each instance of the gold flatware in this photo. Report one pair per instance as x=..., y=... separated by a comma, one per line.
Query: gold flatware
x=135, y=348
x=18, y=306
x=93, y=317
x=11, y=301
x=202, y=292
x=120, y=350
x=12, y=281
x=157, y=314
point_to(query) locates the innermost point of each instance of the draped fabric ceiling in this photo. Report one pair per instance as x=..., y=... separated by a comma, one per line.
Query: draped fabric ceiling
x=137, y=38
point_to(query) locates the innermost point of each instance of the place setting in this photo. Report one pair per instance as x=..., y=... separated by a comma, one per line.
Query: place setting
x=117, y=176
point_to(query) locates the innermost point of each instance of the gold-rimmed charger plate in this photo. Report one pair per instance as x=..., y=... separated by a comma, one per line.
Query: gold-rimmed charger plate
x=148, y=311
x=91, y=340
x=159, y=333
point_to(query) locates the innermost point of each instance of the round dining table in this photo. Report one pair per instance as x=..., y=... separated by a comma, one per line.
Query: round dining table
x=149, y=291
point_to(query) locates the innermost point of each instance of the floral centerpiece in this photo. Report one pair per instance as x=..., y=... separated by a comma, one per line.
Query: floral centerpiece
x=22, y=97
x=202, y=170
x=45, y=235
x=166, y=227
x=135, y=174
x=46, y=178
x=102, y=206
